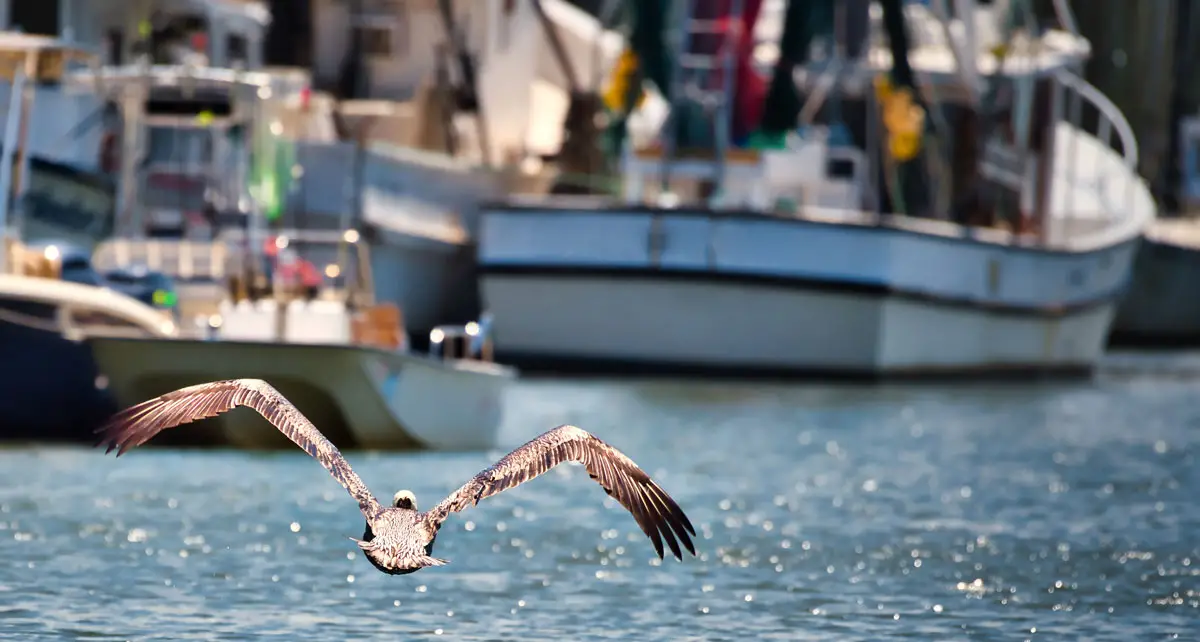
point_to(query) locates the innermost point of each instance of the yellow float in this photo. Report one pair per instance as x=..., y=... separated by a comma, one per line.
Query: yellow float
x=903, y=120
x=624, y=72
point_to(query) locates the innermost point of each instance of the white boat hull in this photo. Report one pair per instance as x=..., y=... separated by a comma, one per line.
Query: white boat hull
x=691, y=290
x=607, y=323
x=359, y=397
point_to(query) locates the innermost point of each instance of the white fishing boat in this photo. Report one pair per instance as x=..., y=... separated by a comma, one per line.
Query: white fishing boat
x=794, y=266
x=341, y=357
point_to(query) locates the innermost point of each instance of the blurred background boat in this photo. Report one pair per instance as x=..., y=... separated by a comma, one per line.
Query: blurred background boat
x=982, y=220
x=202, y=139
x=326, y=344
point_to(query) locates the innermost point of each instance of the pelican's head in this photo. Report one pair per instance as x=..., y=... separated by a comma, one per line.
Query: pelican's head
x=404, y=499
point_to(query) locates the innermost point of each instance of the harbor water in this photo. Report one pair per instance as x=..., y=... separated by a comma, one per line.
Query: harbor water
x=1065, y=511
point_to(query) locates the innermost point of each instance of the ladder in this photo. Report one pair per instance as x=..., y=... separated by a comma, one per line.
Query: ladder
x=689, y=80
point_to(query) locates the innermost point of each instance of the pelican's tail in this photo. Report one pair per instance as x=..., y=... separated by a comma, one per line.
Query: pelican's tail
x=431, y=561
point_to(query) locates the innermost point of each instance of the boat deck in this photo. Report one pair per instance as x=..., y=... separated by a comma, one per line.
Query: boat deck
x=1182, y=232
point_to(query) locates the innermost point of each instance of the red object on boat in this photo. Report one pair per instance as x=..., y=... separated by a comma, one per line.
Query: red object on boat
x=751, y=93
x=300, y=270
x=750, y=89
x=110, y=156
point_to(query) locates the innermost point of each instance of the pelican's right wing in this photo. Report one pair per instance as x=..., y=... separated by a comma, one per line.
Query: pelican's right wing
x=136, y=425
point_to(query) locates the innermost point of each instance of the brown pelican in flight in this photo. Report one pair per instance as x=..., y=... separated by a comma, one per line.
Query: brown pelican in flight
x=399, y=539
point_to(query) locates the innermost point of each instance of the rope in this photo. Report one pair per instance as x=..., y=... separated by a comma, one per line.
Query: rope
x=29, y=321
x=609, y=184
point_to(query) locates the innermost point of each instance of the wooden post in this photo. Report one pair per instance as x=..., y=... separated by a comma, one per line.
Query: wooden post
x=1048, y=148
x=20, y=153
x=6, y=163
x=1041, y=141
x=132, y=103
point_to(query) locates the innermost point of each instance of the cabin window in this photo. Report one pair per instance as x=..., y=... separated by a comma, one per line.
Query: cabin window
x=384, y=31
x=1190, y=152
x=40, y=18
x=376, y=41
x=116, y=45
x=236, y=50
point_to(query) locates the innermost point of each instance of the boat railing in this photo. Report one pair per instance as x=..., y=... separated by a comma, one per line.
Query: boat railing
x=1110, y=120
x=472, y=340
x=346, y=259
x=1096, y=194
x=183, y=260
x=81, y=310
x=283, y=81
x=1096, y=159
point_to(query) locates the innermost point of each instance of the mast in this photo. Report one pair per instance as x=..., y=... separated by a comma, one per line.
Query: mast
x=6, y=163
x=802, y=21
x=579, y=153
x=647, y=21
x=468, y=93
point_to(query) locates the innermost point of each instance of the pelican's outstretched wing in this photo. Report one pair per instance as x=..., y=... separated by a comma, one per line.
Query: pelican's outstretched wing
x=656, y=513
x=136, y=425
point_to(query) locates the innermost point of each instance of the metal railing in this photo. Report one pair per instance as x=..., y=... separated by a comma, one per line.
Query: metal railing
x=183, y=260
x=1071, y=95
x=1110, y=117
x=474, y=337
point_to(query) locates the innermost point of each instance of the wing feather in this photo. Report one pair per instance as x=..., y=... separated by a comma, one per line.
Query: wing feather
x=659, y=517
x=136, y=425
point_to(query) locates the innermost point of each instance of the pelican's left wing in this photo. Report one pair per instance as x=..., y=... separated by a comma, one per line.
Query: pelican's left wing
x=656, y=513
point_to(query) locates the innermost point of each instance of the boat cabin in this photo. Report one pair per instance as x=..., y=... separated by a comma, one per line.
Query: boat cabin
x=190, y=140
x=222, y=32
x=407, y=46
x=54, y=41
x=855, y=127
x=43, y=62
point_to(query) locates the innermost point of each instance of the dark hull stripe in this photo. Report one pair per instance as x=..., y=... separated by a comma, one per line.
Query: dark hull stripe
x=532, y=363
x=1153, y=340
x=797, y=283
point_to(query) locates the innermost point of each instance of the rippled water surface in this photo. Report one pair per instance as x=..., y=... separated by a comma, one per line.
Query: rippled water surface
x=1050, y=512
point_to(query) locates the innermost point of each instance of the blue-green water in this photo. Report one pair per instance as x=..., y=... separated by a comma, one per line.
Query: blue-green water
x=1007, y=513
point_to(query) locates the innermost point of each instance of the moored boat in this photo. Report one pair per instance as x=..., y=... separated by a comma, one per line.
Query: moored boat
x=837, y=252
x=341, y=356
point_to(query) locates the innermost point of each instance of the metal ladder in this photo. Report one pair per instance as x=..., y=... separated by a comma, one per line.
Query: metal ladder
x=688, y=81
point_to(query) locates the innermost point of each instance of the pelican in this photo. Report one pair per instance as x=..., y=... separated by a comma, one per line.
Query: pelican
x=398, y=540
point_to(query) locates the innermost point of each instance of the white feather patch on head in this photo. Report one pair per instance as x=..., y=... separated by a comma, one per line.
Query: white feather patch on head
x=404, y=494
